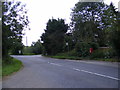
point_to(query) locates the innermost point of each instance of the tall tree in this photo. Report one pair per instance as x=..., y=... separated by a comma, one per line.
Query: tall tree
x=115, y=36
x=86, y=18
x=14, y=21
x=53, y=38
x=113, y=27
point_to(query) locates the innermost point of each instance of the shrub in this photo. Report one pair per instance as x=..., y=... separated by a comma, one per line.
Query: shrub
x=103, y=53
x=82, y=49
x=72, y=53
x=97, y=54
x=62, y=54
x=110, y=53
x=94, y=45
x=9, y=68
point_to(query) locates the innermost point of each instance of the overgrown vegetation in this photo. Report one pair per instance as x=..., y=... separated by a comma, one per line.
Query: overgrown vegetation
x=67, y=55
x=9, y=68
x=100, y=55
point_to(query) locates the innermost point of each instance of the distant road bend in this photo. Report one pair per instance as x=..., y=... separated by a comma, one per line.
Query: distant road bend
x=44, y=72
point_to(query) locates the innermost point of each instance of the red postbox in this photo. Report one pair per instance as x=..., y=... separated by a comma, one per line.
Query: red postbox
x=91, y=50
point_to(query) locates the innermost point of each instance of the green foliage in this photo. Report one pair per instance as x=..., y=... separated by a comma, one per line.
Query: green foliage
x=97, y=54
x=7, y=60
x=82, y=49
x=27, y=50
x=72, y=53
x=96, y=22
x=86, y=21
x=115, y=40
x=115, y=36
x=113, y=27
x=53, y=38
x=18, y=48
x=35, y=48
x=103, y=53
x=94, y=45
x=69, y=39
x=14, y=21
x=67, y=55
x=14, y=66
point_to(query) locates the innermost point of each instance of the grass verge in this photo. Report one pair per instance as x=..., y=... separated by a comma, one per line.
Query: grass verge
x=14, y=66
x=28, y=54
x=84, y=58
x=66, y=57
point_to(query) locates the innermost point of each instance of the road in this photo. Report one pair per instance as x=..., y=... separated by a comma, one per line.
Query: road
x=44, y=72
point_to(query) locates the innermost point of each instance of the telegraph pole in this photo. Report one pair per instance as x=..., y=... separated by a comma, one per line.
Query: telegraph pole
x=26, y=42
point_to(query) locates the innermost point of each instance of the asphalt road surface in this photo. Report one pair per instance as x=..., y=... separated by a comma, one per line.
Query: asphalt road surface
x=44, y=72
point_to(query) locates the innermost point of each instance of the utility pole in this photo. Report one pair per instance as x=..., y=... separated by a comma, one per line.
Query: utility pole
x=67, y=46
x=26, y=42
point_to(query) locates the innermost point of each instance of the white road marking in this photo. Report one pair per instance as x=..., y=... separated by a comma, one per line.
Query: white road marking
x=55, y=64
x=76, y=69
x=97, y=74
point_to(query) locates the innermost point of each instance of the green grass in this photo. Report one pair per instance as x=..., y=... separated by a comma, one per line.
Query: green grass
x=69, y=56
x=85, y=58
x=66, y=57
x=28, y=54
x=8, y=69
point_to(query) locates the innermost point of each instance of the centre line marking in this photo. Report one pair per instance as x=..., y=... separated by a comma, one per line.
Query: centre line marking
x=55, y=64
x=76, y=69
x=97, y=74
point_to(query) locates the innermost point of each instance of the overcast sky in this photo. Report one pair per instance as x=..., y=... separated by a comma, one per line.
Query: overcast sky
x=40, y=11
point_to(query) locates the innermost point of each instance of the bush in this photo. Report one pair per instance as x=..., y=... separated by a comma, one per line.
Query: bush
x=97, y=54
x=110, y=53
x=72, y=53
x=27, y=50
x=62, y=54
x=9, y=68
x=7, y=60
x=82, y=49
x=103, y=53
x=94, y=45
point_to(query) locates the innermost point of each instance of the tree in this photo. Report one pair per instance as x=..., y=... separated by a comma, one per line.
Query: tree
x=37, y=47
x=69, y=42
x=53, y=38
x=14, y=21
x=86, y=20
x=96, y=22
x=113, y=28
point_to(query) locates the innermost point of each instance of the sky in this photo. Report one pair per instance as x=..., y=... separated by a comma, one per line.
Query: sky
x=40, y=11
